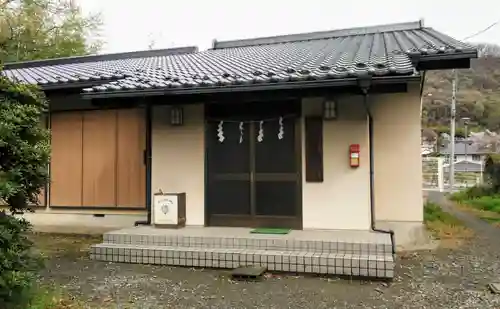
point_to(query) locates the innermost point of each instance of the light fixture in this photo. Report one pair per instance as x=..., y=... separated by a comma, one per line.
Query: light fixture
x=329, y=109
x=176, y=116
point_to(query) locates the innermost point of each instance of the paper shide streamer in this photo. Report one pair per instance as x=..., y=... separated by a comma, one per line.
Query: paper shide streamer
x=241, y=132
x=281, y=131
x=241, y=128
x=220, y=131
x=260, y=137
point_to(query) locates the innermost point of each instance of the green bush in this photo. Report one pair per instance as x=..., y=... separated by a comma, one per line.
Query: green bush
x=492, y=171
x=478, y=191
x=24, y=145
x=24, y=158
x=479, y=197
x=459, y=196
x=472, y=193
x=18, y=262
x=434, y=213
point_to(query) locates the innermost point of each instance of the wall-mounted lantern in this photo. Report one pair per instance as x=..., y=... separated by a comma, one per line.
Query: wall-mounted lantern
x=176, y=115
x=329, y=109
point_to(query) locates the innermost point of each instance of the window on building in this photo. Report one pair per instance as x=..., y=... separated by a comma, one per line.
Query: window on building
x=476, y=157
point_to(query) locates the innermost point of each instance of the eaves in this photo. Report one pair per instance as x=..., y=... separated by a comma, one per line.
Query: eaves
x=348, y=82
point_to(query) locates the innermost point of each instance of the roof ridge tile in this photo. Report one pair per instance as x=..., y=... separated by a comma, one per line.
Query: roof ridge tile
x=101, y=57
x=318, y=35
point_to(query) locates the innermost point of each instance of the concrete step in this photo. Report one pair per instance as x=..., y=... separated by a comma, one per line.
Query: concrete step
x=364, y=265
x=375, y=244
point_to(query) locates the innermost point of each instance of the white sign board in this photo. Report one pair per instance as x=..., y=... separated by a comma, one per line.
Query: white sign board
x=165, y=209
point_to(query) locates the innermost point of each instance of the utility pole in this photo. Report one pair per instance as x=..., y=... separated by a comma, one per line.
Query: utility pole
x=466, y=125
x=452, y=129
x=454, y=110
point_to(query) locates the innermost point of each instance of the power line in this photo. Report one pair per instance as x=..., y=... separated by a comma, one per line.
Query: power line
x=482, y=31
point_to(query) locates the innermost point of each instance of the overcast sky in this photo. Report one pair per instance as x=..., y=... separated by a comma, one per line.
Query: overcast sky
x=131, y=25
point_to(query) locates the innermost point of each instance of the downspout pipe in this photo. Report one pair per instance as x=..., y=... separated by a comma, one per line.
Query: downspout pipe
x=422, y=83
x=148, y=164
x=364, y=85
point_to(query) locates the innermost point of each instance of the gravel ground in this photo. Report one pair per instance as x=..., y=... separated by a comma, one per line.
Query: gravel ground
x=445, y=278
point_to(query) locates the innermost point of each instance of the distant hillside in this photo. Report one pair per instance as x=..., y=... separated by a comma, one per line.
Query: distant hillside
x=478, y=95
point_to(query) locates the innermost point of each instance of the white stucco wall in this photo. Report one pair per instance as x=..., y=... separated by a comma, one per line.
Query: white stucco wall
x=178, y=158
x=398, y=163
x=398, y=167
x=342, y=200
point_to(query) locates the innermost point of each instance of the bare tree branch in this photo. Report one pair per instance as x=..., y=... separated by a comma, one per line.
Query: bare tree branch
x=4, y=3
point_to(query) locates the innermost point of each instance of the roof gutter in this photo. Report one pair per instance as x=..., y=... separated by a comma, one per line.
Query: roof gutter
x=74, y=85
x=466, y=54
x=253, y=87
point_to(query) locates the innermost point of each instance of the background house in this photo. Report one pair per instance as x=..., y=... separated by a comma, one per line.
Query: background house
x=468, y=162
x=465, y=151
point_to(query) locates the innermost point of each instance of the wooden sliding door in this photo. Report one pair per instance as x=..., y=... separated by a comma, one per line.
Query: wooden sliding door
x=97, y=159
x=66, y=159
x=131, y=170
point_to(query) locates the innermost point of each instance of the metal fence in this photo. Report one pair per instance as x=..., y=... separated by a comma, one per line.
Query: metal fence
x=436, y=176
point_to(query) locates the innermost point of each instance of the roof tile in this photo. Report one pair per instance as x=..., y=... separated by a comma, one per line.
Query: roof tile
x=379, y=51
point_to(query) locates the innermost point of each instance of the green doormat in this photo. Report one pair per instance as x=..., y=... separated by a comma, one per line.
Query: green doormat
x=270, y=231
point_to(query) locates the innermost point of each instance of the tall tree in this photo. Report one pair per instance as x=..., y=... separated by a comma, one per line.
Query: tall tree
x=44, y=29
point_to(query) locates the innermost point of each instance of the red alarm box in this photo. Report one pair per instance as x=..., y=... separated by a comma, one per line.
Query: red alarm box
x=354, y=155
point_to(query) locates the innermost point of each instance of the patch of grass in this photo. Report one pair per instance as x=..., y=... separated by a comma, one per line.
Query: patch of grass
x=59, y=245
x=48, y=298
x=459, y=196
x=53, y=245
x=482, y=202
x=444, y=226
x=486, y=203
x=45, y=299
x=489, y=216
x=434, y=213
x=491, y=219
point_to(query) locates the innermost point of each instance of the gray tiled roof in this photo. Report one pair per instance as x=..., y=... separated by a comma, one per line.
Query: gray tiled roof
x=95, y=68
x=472, y=148
x=465, y=166
x=379, y=51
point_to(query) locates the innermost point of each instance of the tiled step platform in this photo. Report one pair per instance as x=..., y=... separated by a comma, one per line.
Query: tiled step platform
x=351, y=253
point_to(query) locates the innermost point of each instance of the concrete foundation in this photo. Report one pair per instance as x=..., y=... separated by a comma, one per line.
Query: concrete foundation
x=80, y=223
x=409, y=236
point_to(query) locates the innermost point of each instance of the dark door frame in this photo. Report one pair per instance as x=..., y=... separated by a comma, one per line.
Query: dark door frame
x=294, y=222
